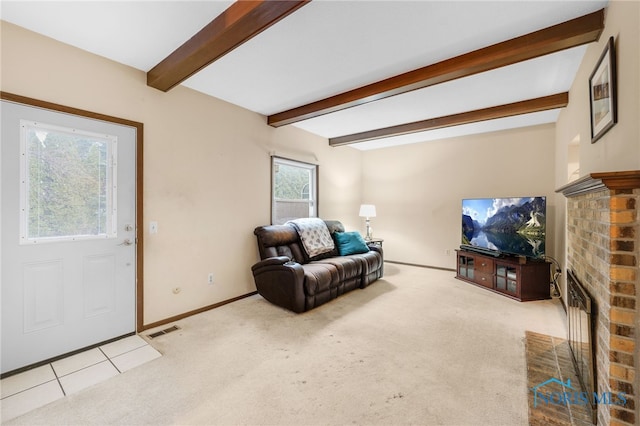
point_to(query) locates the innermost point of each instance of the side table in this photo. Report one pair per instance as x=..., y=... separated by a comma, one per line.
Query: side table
x=375, y=242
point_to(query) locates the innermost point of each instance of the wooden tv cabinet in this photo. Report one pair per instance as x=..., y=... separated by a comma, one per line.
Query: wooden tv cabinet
x=519, y=278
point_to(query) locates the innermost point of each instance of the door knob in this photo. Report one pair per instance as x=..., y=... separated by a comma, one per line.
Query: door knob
x=126, y=242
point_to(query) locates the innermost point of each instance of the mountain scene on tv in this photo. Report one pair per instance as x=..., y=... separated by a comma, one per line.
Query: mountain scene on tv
x=508, y=225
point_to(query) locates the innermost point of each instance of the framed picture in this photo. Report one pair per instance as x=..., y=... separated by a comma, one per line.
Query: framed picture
x=603, y=93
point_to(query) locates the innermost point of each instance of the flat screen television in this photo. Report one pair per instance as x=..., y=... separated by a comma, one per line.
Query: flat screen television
x=515, y=226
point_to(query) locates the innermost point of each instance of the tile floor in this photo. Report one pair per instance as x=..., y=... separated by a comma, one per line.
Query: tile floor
x=549, y=357
x=41, y=385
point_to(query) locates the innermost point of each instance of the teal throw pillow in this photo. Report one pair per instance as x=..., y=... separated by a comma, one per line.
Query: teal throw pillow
x=350, y=243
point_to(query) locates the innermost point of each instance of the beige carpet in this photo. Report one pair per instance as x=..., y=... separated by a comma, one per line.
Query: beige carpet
x=418, y=347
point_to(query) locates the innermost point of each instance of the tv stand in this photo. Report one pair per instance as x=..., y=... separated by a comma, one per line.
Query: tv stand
x=519, y=278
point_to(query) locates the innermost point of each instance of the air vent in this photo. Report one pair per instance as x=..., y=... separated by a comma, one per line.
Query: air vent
x=161, y=332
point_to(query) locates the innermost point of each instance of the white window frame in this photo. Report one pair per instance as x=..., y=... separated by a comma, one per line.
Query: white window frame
x=313, y=185
x=112, y=183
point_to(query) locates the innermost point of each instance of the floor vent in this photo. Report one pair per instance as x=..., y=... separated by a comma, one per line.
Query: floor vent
x=161, y=332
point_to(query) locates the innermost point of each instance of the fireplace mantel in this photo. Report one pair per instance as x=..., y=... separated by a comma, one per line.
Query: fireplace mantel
x=597, y=181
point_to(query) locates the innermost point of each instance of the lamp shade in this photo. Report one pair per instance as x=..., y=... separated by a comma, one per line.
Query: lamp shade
x=367, y=210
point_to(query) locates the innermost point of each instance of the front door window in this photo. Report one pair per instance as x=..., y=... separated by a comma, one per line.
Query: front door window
x=68, y=184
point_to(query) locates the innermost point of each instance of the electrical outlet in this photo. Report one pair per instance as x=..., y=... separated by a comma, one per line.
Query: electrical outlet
x=210, y=278
x=153, y=227
x=447, y=252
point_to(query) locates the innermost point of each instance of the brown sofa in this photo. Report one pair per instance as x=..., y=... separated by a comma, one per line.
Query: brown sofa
x=287, y=277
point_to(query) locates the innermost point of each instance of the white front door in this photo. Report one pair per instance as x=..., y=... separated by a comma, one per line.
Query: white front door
x=68, y=233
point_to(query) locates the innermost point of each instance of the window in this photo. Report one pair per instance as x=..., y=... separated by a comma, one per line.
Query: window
x=294, y=190
x=68, y=184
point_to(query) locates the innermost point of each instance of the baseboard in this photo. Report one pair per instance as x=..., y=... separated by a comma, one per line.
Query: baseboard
x=420, y=266
x=194, y=312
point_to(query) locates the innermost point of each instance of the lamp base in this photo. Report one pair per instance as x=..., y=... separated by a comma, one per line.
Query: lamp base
x=369, y=235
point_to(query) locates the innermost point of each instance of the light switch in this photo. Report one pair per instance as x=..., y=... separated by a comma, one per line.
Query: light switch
x=153, y=227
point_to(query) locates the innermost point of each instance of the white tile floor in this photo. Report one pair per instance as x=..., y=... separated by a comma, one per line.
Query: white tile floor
x=39, y=386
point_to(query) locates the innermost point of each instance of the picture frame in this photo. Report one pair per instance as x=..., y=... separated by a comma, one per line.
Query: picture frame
x=603, y=93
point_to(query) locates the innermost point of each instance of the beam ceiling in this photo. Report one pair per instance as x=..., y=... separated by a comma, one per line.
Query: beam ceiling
x=239, y=23
x=576, y=32
x=559, y=100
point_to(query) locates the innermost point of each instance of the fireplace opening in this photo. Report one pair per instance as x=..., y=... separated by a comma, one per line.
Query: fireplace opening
x=580, y=315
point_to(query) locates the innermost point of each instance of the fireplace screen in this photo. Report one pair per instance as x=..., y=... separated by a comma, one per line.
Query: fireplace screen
x=580, y=335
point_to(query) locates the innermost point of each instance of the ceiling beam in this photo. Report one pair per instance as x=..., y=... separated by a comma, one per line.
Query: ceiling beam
x=239, y=23
x=576, y=32
x=559, y=100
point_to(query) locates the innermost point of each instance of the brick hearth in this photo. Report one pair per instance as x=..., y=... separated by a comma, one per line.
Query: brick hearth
x=603, y=234
x=549, y=356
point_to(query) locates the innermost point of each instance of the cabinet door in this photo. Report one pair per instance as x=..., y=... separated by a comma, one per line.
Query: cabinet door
x=466, y=266
x=507, y=279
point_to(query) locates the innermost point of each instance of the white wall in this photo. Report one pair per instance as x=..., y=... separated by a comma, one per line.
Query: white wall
x=619, y=148
x=418, y=189
x=206, y=168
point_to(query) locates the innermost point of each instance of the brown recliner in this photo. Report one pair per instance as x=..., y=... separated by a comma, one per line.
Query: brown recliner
x=286, y=276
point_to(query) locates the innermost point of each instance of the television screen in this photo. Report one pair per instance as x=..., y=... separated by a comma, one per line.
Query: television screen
x=505, y=225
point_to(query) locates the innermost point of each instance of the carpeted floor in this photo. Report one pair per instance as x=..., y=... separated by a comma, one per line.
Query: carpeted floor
x=417, y=347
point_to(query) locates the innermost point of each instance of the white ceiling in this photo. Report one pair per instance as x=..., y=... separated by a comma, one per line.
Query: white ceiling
x=328, y=47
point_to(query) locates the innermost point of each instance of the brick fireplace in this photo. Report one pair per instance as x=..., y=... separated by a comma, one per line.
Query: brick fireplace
x=603, y=243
